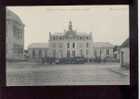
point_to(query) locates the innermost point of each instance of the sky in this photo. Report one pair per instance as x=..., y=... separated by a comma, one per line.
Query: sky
x=108, y=23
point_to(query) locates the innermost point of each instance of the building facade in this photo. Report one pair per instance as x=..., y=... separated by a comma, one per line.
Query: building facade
x=70, y=44
x=103, y=50
x=125, y=54
x=37, y=51
x=14, y=36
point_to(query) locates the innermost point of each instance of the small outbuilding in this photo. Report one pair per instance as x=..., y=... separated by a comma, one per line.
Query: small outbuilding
x=125, y=54
x=103, y=51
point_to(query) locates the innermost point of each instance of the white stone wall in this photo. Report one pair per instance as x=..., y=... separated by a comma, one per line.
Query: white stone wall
x=38, y=53
x=11, y=40
x=55, y=45
x=101, y=52
x=125, y=58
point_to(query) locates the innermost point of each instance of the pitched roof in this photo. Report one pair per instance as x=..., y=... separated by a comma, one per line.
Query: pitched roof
x=103, y=45
x=125, y=43
x=57, y=34
x=12, y=16
x=38, y=45
x=83, y=34
x=69, y=32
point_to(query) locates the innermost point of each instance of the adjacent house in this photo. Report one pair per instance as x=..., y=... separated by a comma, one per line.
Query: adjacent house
x=103, y=50
x=125, y=54
x=37, y=51
x=116, y=52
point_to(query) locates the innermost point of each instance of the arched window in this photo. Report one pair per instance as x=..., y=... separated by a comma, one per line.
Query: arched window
x=107, y=51
x=68, y=45
x=73, y=45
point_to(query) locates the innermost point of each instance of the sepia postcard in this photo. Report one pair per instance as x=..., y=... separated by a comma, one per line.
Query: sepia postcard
x=67, y=45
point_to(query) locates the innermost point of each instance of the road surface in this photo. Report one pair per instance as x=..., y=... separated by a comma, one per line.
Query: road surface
x=31, y=74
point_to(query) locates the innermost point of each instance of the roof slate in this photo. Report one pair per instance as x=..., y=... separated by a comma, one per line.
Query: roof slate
x=103, y=44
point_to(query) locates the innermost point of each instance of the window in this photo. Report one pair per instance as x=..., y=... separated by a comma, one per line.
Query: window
x=73, y=53
x=107, y=51
x=18, y=49
x=68, y=45
x=87, y=45
x=73, y=45
x=115, y=55
x=56, y=37
x=87, y=52
x=17, y=33
x=81, y=52
x=33, y=53
x=54, y=53
x=61, y=38
x=40, y=53
x=100, y=52
x=21, y=50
